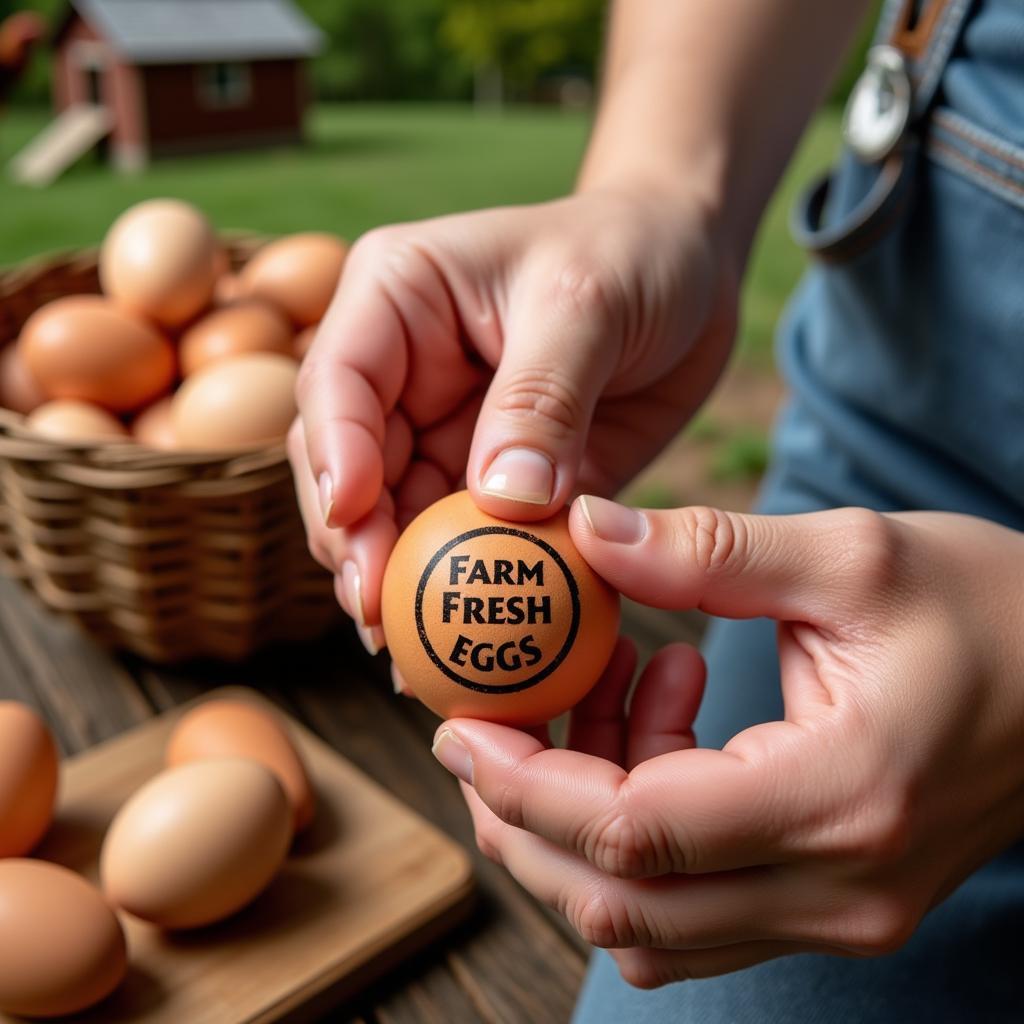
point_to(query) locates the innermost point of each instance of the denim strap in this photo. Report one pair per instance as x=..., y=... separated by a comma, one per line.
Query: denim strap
x=926, y=44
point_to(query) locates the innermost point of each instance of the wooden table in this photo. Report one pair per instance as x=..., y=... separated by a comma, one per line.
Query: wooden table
x=514, y=961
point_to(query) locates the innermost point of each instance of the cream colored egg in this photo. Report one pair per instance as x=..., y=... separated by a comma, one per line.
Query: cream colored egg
x=154, y=427
x=241, y=401
x=161, y=258
x=197, y=842
x=68, y=420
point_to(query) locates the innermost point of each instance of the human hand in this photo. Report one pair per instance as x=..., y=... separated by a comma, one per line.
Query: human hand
x=896, y=772
x=522, y=352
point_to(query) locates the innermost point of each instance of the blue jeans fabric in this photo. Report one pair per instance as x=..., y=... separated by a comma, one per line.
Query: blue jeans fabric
x=905, y=367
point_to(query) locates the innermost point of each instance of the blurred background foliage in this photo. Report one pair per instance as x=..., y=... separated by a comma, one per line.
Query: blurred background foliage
x=439, y=49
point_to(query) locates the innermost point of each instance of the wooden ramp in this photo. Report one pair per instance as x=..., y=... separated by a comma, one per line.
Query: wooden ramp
x=69, y=136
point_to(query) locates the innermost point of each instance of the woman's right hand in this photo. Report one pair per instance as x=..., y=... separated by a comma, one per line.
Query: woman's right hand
x=526, y=353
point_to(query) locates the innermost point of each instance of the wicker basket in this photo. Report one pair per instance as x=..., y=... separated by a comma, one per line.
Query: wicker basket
x=171, y=556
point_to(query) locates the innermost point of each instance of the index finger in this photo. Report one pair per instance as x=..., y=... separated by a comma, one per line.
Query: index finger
x=349, y=381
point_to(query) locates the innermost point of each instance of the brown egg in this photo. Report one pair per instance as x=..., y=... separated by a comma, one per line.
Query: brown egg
x=248, y=325
x=495, y=620
x=304, y=341
x=298, y=273
x=19, y=390
x=197, y=843
x=86, y=347
x=76, y=422
x=154, y=426
x=29, y=767
x=160, y=258
x=235, y=728
x=242, y=401
x=63, y=947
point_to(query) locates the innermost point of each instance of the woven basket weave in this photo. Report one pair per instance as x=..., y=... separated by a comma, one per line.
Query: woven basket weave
x=168, y=555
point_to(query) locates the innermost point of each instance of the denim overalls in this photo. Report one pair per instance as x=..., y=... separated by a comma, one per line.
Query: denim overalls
x=903, y=351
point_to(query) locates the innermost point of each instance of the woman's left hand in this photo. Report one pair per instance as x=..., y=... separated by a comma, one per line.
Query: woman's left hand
x=897, y=771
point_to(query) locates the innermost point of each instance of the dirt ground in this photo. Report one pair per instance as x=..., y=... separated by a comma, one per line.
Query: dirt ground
x=717, y=460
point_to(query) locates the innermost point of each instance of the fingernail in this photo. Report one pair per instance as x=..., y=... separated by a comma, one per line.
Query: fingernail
x=520, y=474
x=397, y=682
x=326, y=489
x=452, y=753
x=372, y=638
x=352, y=585
x=613, y=522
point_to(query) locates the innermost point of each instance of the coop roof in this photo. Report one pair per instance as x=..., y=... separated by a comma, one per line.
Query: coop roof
x=173, y=31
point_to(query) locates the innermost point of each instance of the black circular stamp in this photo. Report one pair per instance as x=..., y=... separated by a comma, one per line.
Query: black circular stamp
x=545, y=670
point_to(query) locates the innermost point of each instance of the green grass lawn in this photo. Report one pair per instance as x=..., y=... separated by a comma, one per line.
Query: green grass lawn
x=368, y=165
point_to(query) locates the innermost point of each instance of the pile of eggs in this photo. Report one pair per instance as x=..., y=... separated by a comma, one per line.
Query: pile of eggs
x=178, y=353
x=195, y=844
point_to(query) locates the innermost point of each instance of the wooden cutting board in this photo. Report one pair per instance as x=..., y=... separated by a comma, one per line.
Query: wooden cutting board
x=368, y=884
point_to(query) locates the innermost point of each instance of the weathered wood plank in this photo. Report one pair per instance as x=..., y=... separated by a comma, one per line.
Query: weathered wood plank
x=84, y=692
x=424, y=991
x=516, y=961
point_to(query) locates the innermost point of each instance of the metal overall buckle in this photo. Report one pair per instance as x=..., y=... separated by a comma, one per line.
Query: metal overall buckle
x=878, y=111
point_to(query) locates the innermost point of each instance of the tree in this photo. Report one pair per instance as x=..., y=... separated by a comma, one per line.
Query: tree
x=513, y=43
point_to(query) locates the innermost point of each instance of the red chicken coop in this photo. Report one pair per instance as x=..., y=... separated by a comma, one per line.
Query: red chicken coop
x=149, y=78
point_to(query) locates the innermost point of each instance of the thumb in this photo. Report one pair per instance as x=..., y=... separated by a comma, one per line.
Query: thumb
x=816, y=567
x=558, y=355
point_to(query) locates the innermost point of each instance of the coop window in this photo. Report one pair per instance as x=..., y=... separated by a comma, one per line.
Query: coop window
x=222, y=86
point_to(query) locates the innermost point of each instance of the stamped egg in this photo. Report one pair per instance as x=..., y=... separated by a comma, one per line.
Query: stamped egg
x=29, y=768
x=495, y=620
x=298, y=273
x=161, y=258
x=87, y=348
x=197, y=842
x=239, y=728
x=246, y=325
x=76, y=422
x=62, y=946
x=237, y=402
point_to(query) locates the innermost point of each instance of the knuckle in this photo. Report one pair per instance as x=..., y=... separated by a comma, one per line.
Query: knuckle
x=582, y=287
x=508, y=803
x=884, y=836
x=488, y=843
x=871, y=543
x=643, y=971
x=710, y=538
x=878, y=925
x=545, y=398
x=622, y=847
x=602, y=920
x=373, y=247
